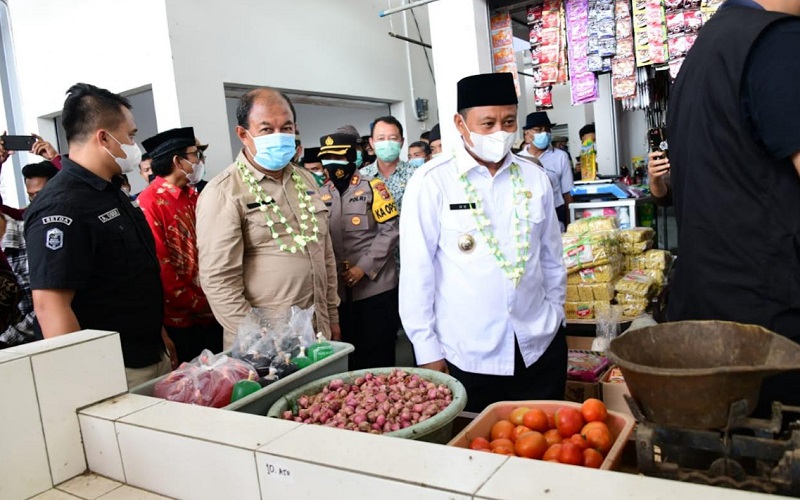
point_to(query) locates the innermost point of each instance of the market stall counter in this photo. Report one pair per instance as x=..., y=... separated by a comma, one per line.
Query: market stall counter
x=194, y=452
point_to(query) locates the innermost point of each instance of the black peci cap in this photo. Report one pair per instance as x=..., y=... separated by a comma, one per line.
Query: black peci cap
x=435, y=134
x=490, y=89
x=169, y=141
x=311, y=155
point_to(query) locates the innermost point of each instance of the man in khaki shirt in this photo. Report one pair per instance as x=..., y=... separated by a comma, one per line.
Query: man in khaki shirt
x=262, y=229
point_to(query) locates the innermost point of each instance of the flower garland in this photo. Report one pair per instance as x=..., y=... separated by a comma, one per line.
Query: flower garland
x=521, y=232
x=297, y=241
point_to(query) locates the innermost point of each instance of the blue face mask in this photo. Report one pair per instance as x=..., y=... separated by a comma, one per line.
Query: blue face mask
x=542, y=140
x=273, y=151
x=388, y=151
x=359, y=159
x=416, y=162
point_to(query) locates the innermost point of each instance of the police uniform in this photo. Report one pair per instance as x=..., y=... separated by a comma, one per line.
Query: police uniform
x=83, y=234
x=364, y=228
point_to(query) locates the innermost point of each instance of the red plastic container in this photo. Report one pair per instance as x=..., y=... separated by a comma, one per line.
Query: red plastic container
x=620, y=425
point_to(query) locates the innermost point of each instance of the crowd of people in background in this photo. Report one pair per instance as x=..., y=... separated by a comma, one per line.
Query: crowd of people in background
x=175, y=271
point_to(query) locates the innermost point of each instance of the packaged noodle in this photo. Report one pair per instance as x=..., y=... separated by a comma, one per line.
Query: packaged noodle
x=657, y=275
x=637, y=235
x=635, y=283
x=599, y=274
x=632, y=305
x=572, y=293
x=585, y=293
x=589, y=249
x=579, y=310
x=603, y=292
x=630, y=248
x=592, y=224
x=602, y=307
x=657, y=259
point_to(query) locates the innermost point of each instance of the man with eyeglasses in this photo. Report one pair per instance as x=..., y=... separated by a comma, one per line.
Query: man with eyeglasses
x=169, y=205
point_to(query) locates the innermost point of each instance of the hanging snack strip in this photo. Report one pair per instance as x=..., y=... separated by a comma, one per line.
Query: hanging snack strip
x=548, y=50
x=583, y=82
x=503, y=46
x=602, y=43
x=623, y=65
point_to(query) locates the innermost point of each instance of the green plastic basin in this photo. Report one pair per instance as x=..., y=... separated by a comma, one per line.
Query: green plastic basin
x=437, y=429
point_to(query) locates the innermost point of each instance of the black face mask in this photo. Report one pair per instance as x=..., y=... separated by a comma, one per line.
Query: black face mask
x=151, y=177
x=369, y=159
x=340, y=175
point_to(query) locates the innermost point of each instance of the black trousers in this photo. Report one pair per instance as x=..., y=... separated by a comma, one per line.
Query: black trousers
x=543, y=380
x=563, y=215
x=371, y=325
x=190, y=342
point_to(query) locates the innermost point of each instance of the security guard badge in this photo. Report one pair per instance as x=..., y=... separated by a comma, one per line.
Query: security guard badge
x=54, y=239
x=466, y=243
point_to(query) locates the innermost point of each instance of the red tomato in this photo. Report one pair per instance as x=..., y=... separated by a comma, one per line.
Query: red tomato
x=479, y=443
x=504, y=450
x=592, y=458
x=536, y=420
x=593, y=410
x=531, y=445
x=579, y=441
x=518, y=431
x=552, y=437
x=599, y=439
x=502, y=429
x=553, y=453
x=568, y=421
x=570, y=454
x=502, y=442
x=517, y=414
x=592, y=425
x=551, y=420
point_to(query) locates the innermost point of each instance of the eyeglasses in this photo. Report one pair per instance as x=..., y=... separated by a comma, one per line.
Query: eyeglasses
x=200, y=155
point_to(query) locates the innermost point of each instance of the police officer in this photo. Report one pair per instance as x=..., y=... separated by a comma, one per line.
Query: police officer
x=364, y=229
x=91, y=254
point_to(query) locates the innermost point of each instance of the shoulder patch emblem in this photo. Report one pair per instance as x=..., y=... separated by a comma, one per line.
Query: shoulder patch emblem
x=54, y=239
x=61, y=219
x=383, y=206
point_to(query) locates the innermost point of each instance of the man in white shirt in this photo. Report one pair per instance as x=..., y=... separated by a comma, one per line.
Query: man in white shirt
x=556, y=162
x=483, y=282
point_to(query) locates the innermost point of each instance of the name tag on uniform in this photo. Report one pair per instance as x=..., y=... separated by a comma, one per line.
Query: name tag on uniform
x=461, y=206
x=110, y=215
x=257, y=204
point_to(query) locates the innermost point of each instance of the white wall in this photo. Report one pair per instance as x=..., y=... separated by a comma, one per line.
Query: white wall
x=120, y=45
x=632, y=135
x=307, y=46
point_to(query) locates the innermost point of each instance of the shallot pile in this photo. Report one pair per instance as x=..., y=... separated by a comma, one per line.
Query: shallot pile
x=373, y=403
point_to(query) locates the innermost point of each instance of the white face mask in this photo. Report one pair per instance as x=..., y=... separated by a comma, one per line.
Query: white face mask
x=133, y=156
x=491, y=148
x=197, y=173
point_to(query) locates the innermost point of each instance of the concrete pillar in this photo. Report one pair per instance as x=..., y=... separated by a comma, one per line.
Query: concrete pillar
x=605, y=119
x=461, y=47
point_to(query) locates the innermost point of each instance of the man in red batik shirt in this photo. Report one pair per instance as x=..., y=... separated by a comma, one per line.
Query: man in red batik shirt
x=169, y=204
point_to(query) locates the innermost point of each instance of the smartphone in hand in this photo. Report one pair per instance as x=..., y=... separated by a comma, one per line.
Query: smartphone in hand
x=18, y=142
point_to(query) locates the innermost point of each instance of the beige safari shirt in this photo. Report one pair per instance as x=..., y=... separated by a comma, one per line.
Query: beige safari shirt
x=242, y=266
x=365, y=230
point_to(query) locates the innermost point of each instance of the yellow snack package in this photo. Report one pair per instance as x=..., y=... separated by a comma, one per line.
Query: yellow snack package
x=572, y=293
x=603, y=291
x=585, y=293
x=592, y=224
x=635, y=283
x=579, y=310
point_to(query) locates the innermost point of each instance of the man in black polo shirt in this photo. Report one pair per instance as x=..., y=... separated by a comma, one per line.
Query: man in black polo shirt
x=734, y=158
x=91, y=253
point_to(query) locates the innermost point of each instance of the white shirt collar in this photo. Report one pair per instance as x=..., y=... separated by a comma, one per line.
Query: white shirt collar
x=465, y=162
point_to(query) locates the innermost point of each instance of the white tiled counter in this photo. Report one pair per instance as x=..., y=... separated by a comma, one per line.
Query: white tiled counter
x=190, y=452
